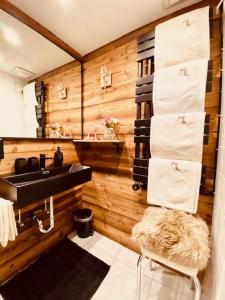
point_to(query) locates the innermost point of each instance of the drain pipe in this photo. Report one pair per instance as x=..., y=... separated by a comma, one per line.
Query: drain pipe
x=40, y=223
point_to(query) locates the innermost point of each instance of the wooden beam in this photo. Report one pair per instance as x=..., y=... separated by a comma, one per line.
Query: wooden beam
x=30, y=22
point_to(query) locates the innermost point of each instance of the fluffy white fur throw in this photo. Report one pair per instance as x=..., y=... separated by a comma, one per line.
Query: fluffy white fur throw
x=174, y=234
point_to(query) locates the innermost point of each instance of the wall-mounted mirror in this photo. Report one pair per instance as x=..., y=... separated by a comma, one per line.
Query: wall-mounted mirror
x=26, y=57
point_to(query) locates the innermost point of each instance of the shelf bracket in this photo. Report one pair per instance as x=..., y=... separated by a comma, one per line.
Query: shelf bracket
x=117, y=146
x=86, y=146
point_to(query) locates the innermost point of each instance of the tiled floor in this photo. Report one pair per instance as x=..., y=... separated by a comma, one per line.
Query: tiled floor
x=120, y=282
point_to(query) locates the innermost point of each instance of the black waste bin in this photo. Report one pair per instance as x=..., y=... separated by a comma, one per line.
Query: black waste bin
x=83, y=218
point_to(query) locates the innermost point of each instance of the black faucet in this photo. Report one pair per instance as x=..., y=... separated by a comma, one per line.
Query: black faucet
x=43, y=158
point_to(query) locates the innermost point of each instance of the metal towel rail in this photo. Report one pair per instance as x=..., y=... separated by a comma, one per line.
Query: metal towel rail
x=143, y=99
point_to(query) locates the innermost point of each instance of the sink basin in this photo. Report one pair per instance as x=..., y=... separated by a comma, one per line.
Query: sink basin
x=28, y=188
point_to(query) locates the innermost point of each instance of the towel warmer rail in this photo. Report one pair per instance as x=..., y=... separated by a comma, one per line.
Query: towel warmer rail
x=40, y=108
x=144, y=112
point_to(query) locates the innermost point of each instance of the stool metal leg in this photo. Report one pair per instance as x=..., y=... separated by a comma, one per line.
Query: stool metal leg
x=192, y=285
x=150, y=264
x=139, y=273
x=197, y=287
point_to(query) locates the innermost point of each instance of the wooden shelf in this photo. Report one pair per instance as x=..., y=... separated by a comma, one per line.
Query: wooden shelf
x=97, y=141
x=87, y=143
x=45, y=139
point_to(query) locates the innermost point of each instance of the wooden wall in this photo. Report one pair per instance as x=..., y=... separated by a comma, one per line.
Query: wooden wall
x=116, y=206
x=30, y=243
x=66, y=111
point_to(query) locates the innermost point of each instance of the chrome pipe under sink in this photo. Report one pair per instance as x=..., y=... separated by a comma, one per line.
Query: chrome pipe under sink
x=40, y=223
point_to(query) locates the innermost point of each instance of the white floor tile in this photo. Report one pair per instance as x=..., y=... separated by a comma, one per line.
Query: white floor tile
x=120, y=284
x=128, y=257
x=80, y=242
x=107, y=246
x=121, y=281
x=94, y=238
x=167, y=277
x=146, y=268
x=184, y=288
x=100, y=254
x=160, y=292
x=185, y=297
x=72, y=235
x=205, y=296
x=98, y=241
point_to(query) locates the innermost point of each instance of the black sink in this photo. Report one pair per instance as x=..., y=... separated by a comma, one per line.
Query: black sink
x=28, y=188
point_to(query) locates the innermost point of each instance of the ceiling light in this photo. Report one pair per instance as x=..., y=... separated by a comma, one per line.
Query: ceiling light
x=171, y=3
x=65, y=4
x=22, y=73
x=10, y=35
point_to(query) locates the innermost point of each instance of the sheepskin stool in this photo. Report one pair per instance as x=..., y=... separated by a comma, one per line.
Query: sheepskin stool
x=175, y=239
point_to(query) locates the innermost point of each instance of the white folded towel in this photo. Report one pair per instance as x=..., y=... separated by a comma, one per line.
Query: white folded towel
x=29, y=95
x=8, y=229
x=183, y=38
x=180, y=88
x=174, y=183
x=178, y=136
x=30, y=131
x=30, y=118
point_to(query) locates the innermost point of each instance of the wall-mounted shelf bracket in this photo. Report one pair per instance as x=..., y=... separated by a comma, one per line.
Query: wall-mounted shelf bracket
x=86, y=143
x=117, y=147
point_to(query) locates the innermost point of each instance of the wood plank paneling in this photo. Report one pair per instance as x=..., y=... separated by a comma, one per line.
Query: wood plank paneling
x=66, y=111
x=30, y=243
x=116, y=206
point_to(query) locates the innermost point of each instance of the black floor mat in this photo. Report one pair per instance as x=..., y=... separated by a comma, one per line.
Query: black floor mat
x=67, y=272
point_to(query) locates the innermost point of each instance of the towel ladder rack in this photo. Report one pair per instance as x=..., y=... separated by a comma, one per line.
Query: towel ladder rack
x=40, y=108
x=144, y=112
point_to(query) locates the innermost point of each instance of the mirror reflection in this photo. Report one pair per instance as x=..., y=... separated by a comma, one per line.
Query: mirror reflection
x=33, y=89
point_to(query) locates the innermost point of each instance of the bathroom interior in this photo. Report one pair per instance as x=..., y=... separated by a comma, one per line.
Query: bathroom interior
x=112, y=150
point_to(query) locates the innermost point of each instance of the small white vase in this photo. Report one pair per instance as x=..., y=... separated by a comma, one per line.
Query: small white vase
x=109, y=134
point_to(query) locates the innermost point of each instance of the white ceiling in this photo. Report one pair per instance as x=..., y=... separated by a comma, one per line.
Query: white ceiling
x=23, y=47
x=89, y=24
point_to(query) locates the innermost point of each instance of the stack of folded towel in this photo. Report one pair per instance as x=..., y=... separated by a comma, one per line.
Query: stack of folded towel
x=177, y=128
x=8, y=229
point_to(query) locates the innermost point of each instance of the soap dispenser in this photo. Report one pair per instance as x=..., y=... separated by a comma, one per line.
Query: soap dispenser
x=58, y=158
